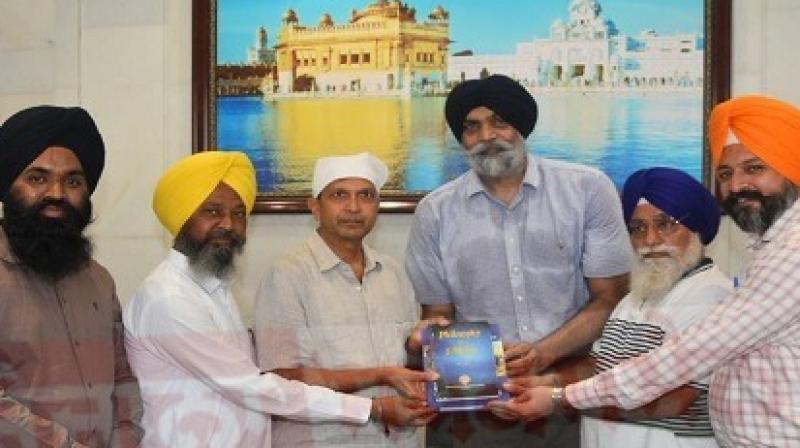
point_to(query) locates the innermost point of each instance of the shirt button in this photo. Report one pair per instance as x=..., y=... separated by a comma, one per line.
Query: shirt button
x=89, y=384
x=519, y=298
x=511, y=239
x=358, y=288
x=77, y=344
x=524, y=328
x=515, y=269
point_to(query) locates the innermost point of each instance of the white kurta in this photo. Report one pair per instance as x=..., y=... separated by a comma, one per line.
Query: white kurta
x=194, y=360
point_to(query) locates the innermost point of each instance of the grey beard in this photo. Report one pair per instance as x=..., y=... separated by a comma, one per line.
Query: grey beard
x=653, y=278
x=497, y=159
x=210, y=258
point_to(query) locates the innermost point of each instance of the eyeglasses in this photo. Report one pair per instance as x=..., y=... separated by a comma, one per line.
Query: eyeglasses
x=664, y=226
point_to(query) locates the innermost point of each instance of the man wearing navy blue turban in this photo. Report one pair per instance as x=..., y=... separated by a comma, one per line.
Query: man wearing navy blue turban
x=670, y=217
x=676, y=194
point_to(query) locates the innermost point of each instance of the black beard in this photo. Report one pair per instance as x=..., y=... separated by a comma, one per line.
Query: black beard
x=52, y=247
x=758, y=221
x=209, y=256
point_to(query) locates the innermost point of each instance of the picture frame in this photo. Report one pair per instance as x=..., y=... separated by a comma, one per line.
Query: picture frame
x=716, y=65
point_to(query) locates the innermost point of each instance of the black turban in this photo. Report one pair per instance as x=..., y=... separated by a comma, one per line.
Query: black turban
x=501, y=94
x=28, y=133
x=677, y=194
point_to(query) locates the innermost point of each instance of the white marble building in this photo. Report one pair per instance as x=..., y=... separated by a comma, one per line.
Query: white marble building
x=589, y=51
x=259, y=52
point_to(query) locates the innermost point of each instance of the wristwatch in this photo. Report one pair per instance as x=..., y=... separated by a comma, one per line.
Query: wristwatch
x=560, y=404
x=557, y=397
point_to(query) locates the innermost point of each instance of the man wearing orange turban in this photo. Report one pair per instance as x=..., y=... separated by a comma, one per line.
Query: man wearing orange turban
x=751, y=341
x=755, y=147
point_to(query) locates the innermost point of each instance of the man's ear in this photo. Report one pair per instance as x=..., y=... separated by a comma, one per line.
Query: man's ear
x=313, y=205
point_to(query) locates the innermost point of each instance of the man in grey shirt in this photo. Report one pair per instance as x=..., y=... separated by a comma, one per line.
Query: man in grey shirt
x=534, y=245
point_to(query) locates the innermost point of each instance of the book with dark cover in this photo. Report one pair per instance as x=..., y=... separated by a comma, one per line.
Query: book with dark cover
x=468, y=356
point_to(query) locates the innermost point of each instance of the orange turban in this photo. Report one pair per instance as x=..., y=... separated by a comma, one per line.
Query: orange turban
x=768, y=127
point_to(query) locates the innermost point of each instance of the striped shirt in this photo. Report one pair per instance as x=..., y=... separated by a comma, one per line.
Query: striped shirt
x=637, y=327
x=751, y=341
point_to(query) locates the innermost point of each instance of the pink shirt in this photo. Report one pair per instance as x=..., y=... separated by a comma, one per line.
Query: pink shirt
x=751, y=343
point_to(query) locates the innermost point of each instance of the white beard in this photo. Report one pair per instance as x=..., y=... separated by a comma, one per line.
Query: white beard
x=653, y=278
x=497, y=159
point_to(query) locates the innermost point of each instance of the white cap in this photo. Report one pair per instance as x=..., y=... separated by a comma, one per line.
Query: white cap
x=364, y=166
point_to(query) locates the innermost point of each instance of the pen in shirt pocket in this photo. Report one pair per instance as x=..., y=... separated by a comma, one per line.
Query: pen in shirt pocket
x=735, y=282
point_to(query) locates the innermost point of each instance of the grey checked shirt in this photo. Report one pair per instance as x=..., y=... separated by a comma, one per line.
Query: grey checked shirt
x=313, y=312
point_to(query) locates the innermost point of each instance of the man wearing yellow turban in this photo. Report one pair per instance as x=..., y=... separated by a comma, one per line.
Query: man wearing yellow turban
x=186, y=341
x=751, y=341
x=187, y=184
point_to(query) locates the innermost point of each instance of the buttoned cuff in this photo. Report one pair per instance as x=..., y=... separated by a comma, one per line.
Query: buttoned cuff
x=585, y=394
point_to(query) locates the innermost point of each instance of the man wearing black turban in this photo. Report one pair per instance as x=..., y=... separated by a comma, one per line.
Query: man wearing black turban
x=537, y=246
x=66, y=378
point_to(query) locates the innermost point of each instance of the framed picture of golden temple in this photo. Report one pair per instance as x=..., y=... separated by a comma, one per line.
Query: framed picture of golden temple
x=620, y=85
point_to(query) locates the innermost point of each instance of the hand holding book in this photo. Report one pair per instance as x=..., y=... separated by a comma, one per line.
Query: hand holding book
x=399, y=411
x=526, y=404
x=408, y=383
x=521, y=358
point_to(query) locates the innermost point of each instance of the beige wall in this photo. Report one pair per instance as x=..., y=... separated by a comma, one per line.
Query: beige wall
x=128, y=63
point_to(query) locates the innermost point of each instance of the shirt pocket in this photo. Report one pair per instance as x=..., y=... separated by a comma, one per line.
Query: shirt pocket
x=342, y=345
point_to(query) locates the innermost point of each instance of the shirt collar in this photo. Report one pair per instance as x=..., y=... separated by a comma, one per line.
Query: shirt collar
x=5, y=249
x=704, y=264
x=208, y=282
x=327, y=260
x=532, y=177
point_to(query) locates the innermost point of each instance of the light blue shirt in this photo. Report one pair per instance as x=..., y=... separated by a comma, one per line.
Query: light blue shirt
x=521, y=266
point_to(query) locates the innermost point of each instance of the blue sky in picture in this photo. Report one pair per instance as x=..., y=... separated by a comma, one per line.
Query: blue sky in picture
x=484, y=27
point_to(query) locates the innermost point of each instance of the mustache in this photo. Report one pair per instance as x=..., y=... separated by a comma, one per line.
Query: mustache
x=63, y=204
x=224, y=234
x=734, y=198
x=661, y=248
x=496, y=146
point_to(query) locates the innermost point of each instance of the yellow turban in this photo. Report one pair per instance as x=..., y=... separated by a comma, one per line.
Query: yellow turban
x=769, y=128
x=188, y=183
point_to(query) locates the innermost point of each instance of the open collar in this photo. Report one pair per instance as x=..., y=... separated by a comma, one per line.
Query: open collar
x=327, y=260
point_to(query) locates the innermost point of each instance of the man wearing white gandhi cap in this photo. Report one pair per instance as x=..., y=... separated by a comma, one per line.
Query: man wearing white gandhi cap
x=335, y=312
x=363, y=165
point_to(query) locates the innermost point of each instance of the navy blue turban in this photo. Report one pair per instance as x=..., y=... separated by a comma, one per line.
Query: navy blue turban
x=676, y=194
x=28, y=133
x=504, y=96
